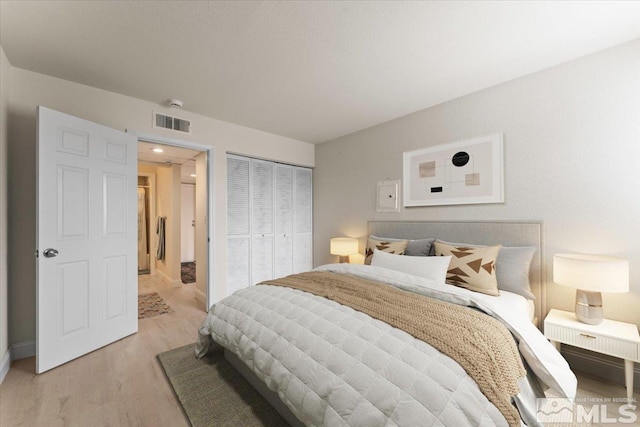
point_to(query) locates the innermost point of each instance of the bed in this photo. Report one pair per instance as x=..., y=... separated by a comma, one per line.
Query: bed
x=381, y=345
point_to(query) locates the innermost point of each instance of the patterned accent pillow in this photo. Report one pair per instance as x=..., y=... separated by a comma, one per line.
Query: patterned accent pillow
x=472, y=268
x=512, y=267
x=393, y=247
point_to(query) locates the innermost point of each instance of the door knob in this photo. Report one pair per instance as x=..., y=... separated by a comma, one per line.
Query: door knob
x=50, y=253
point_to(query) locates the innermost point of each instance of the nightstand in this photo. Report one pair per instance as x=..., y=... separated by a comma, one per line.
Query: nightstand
x=616, y=339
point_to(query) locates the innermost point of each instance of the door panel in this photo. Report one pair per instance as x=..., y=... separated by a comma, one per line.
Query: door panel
x=238, y=263
x=87, y=294
x=114, y=210
x=284, y=200
x=304, y=201
x=238, y=223
x=73, y=284
x=262, y=198
x=303, y=240
x=261, y=259
x=283, y=256
x=114, y=278
x=73, y=203
x=302, y=253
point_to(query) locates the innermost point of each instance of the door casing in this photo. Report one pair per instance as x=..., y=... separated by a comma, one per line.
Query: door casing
x=209, y=298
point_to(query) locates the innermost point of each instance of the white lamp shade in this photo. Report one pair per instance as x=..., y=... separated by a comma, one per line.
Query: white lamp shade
x=344, y=246
x=593, y=273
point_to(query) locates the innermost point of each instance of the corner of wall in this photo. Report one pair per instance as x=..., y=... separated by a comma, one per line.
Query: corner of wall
x=5, y=72
x=5, y=364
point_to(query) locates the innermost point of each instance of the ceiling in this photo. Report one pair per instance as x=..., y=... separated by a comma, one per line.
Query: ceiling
x=170, y=155
x=312, y=71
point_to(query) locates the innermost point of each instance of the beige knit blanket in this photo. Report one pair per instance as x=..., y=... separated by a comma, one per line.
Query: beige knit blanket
x=479, y=343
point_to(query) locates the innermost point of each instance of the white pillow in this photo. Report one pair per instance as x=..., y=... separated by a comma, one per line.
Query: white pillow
x=431, y=267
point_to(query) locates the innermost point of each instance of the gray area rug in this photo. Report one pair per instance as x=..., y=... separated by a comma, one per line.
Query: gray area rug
x=213, y=393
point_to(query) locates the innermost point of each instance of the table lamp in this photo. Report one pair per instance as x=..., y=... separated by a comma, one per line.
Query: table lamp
x=344, y=246
x=590, y=275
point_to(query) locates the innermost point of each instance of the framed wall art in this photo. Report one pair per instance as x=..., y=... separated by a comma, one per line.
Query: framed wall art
x=463, y=172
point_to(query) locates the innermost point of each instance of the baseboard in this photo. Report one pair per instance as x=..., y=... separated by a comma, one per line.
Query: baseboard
x=17, y=351
x=22, y=350
x=168, y=280
x=599, y=365
x=5, y=364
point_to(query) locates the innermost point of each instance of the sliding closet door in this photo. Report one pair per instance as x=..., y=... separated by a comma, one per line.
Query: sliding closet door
x=262, y=215
x=284, y=220
x=303, y=221
x=238, y=223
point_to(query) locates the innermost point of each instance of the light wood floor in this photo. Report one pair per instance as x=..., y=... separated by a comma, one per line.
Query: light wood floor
x=589, y=387
x=123, y=384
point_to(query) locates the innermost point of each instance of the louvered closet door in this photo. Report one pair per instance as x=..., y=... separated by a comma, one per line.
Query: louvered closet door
x=303, y=220
x=283, y=254
x=238, y=223
x=262, y=216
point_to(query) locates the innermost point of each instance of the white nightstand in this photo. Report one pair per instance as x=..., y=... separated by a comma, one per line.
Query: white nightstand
x=616, y=339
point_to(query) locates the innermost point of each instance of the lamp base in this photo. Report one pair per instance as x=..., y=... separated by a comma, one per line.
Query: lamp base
x=589, y=307
x=344, y=258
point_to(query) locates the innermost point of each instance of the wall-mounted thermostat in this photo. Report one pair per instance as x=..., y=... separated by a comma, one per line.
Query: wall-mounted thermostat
x=388, y=194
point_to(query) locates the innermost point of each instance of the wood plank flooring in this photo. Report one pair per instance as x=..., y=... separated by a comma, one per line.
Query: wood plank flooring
x=589, y=387
x=123, y=384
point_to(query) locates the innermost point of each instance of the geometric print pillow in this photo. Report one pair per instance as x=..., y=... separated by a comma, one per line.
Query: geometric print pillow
x=393, y=247
x=472, y=268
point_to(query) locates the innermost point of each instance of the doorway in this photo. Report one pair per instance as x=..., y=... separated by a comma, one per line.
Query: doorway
x=174, y=191
x=94, y=307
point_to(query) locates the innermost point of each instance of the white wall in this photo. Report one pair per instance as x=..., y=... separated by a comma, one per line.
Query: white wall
x=572, y=155
x=187, y=218
x=5, y=69
x=202, y=221
x=28, y=89
x=168, y=205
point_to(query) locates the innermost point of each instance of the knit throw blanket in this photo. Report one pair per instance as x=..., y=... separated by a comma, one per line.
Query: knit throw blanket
x=479, y=343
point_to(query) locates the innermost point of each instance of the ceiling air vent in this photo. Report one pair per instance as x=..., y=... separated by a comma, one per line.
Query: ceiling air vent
x=171, y=122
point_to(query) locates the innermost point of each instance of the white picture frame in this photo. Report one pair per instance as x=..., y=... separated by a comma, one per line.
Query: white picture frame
x=462, y=172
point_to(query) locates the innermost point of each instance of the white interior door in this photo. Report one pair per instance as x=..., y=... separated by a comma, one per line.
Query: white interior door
x=261, y=221
x=87, y=237
x=238, y=223
x=283, y=256
x=303, y=220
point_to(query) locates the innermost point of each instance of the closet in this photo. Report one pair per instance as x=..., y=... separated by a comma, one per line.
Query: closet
x=269, y=221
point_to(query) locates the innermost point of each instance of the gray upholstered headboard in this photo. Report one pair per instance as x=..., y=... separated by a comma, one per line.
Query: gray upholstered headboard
x=525, y=233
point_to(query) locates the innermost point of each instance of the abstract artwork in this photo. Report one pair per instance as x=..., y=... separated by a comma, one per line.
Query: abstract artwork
x=464, y=172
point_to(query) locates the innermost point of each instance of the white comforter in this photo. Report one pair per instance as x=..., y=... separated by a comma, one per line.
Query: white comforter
x=333, y=366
